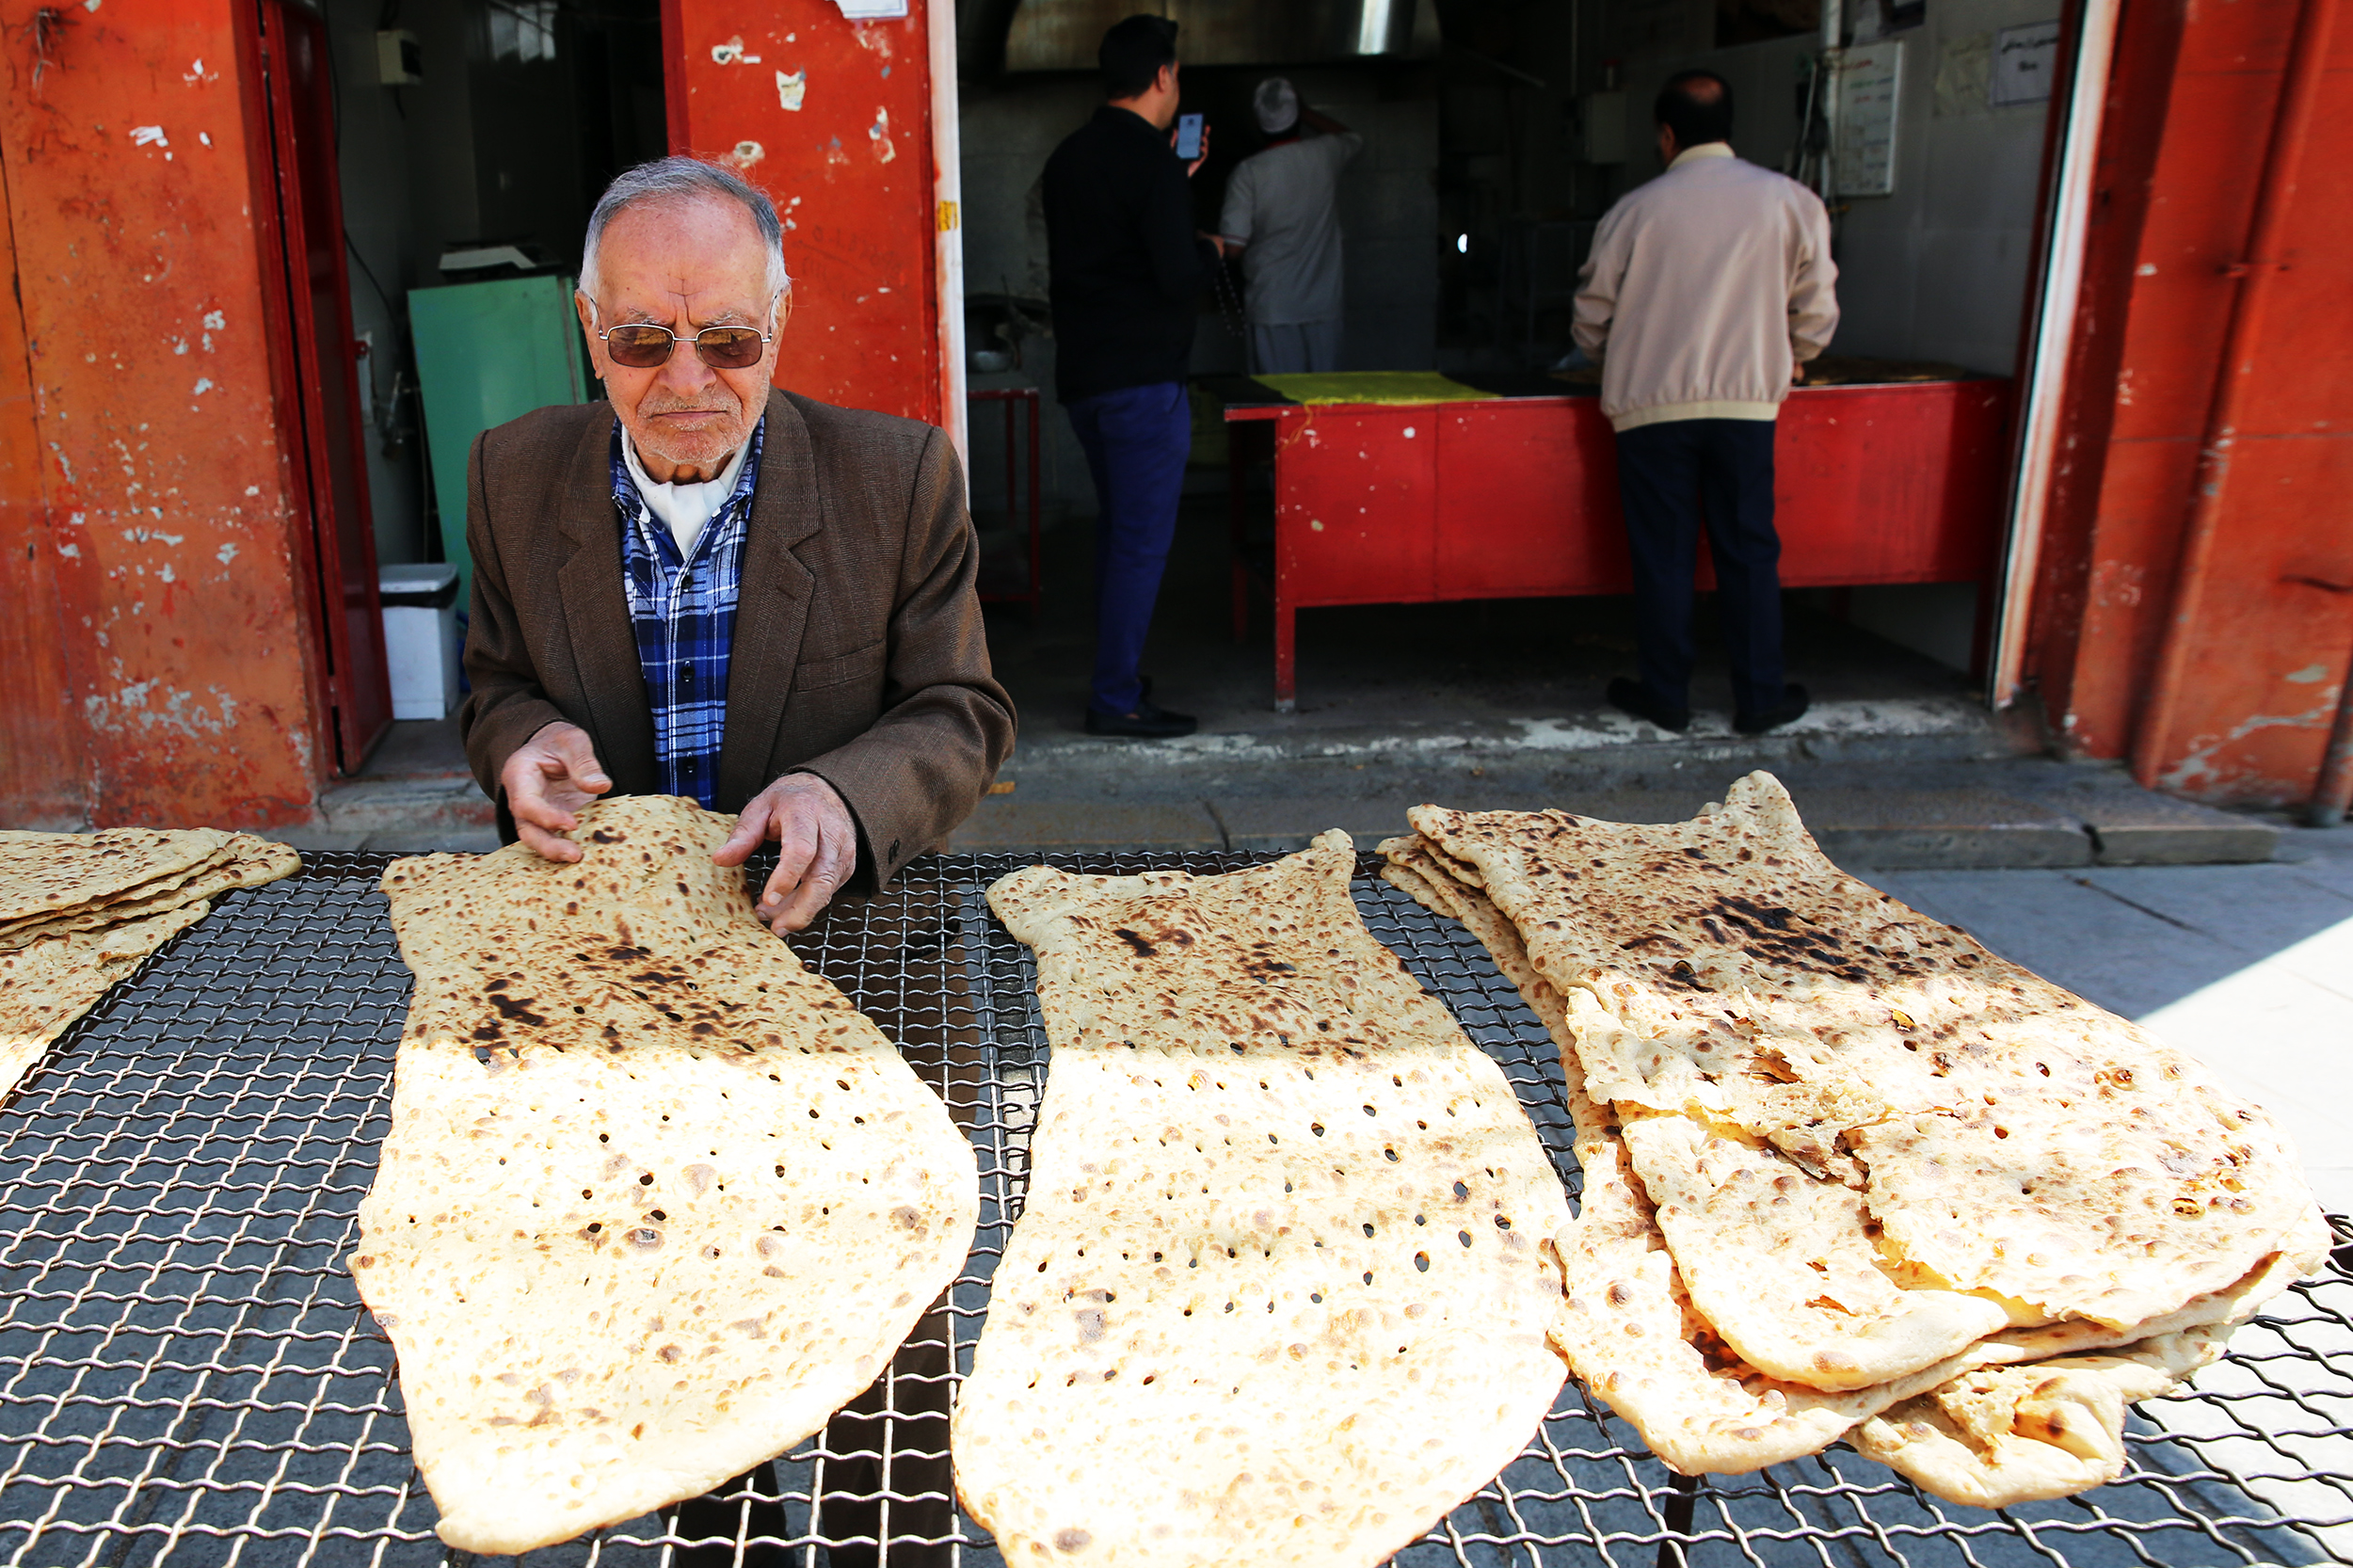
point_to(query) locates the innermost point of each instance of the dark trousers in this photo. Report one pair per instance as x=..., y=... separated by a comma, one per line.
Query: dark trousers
x=1136, y=440
x=1672, y=477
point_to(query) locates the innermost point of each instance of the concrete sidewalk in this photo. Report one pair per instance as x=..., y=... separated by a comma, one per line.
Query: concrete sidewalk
x=1886, y=813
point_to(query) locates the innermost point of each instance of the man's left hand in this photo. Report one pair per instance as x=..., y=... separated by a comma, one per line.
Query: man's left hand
x=816, y=847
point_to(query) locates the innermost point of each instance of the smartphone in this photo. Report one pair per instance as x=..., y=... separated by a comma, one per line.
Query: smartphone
x=1188, y=136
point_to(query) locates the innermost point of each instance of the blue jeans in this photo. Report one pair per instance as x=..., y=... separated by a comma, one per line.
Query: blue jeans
x=1136, y=440
x=1672, y=476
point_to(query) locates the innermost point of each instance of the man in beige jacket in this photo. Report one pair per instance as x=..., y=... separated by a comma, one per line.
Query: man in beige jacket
x=1706, y=289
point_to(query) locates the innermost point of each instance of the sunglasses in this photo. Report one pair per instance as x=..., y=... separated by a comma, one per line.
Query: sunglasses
x=642, y=345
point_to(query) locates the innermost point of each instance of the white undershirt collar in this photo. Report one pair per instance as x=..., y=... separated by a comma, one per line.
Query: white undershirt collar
x=1705, y=149
x=687, y=509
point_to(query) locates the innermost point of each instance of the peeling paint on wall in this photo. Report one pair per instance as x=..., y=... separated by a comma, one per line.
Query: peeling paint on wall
x=855, y=142
x=190, y=683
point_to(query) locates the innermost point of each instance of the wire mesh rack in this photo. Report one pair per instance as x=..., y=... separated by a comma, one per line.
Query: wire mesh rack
x=188, y=1375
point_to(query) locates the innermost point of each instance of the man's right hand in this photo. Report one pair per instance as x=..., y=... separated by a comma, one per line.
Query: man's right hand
x=549, y=777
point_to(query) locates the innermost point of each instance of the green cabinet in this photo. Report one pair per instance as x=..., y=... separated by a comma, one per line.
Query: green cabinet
x=487, y=353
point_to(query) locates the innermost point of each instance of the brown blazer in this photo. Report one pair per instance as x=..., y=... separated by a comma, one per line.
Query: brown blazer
x=859, y=653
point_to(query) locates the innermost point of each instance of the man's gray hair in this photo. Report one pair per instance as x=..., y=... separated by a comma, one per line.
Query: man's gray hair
x=683, y=179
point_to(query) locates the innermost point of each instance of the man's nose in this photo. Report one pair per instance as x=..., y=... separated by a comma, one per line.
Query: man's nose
x=684, y=372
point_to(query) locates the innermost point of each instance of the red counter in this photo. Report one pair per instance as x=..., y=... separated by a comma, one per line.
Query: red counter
x=1517, y=496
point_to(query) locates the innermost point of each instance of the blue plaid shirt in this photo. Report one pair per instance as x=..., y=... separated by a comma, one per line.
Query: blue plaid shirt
x=683, y=612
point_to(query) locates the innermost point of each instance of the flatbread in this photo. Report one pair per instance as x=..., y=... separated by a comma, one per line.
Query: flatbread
x=45, y=985
x=1628, y=1326
x=41, y=873
x=1783, y=1270
x=1784, y=1265
x=657, y=1200
x=2011, y=1140
x=2015, y=1434
x=1428, y=881
x=1280, y=1289
x=242, y=861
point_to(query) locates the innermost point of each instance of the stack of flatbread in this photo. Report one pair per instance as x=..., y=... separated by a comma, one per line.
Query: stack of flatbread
x=78, y=911
x=1849, y=1175
x=1280, y=1289
x=657, y=1200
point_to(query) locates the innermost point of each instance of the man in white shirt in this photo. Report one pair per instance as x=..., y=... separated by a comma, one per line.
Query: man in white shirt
x=1282, y=214
x=1706, y=288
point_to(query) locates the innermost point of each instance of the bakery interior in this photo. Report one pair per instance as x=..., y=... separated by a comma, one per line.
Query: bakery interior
x=1497, y=133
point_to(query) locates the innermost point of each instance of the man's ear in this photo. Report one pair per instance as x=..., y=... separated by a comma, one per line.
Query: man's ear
x=1166, y=80
x=585, y=309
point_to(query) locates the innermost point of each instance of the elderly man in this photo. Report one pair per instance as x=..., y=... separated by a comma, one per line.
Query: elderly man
x=708, y=588
x=1706, y=290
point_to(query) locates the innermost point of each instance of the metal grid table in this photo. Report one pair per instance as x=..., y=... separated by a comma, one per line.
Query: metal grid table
x=188, y=1377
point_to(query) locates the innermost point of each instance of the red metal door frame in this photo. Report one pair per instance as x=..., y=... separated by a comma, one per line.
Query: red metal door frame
x=317, y=374
x=2191, y=609
x=2159, y=729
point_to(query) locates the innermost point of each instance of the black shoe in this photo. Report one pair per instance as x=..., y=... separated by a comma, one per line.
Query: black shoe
x=1792, y=706
x=1150, y=721
x=1633, y=697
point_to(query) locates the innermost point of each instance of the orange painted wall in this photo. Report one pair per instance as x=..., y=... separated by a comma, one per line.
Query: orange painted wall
x=2273, y=632
x=43, y=778
x=129, y=139
x=850, y=168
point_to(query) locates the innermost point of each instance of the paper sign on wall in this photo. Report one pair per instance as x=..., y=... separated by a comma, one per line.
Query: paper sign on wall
x=2024, y=59
x=1870, y=76
x=872, y=11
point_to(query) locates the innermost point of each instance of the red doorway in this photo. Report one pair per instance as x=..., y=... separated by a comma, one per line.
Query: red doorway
x=317, y=374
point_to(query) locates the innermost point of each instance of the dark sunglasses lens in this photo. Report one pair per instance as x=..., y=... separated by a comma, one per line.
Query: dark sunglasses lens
x=638, y=347
x=729, y=347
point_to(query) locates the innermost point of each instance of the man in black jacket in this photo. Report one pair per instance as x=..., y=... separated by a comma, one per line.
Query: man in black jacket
x=1127, y=267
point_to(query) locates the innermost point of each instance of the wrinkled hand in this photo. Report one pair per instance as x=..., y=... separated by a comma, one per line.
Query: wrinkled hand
x=549, y=777
x=816, y=847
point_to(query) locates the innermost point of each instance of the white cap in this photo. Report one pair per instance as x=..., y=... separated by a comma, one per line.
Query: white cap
x=1276, y=104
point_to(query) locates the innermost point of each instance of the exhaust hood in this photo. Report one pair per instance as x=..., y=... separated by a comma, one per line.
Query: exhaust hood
x=1062, y=34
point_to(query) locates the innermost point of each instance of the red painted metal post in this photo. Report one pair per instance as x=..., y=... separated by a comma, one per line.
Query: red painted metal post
x=2308, y=58
x=1011, y=497
x=1038, y=548
x=1285, y=649
x=1235, y=471
x=321, y=373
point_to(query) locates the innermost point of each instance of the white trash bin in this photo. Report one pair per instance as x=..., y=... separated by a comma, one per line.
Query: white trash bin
x=420, y=638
